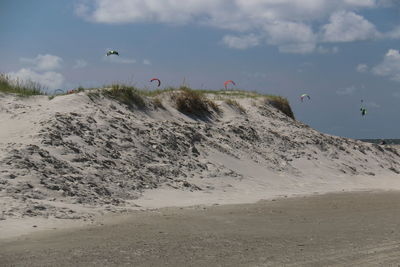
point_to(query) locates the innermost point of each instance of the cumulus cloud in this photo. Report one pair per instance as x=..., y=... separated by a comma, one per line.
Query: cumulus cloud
x=146, y=62
x=49, y=79
x=80, y=63
x=327, y=50
x=394, y=34
x=390, y=66
x=241, y=42
x=348, y=27
x=41, y=70
x=291, y=37
x=346, y=91
x=44, y=62
x=294, y=26
x=256, y=12
x=362, y=68
x=361, y=3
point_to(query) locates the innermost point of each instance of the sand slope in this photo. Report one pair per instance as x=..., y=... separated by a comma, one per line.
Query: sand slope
x=77, y=156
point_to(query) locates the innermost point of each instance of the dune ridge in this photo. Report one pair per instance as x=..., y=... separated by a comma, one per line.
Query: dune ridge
x=82, y=154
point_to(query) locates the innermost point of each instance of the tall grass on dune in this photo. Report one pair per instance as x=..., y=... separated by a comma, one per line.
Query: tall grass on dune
x=194, y=102
x=233, y=103
x=281, y=104
x=19, y=87
x=128, y=95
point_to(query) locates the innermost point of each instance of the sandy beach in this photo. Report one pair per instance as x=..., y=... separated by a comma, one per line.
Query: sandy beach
x=346, y=229
x=200, y=133
x=86, y=180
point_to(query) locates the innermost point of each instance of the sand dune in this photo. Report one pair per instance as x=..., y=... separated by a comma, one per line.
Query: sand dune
x=75, y=157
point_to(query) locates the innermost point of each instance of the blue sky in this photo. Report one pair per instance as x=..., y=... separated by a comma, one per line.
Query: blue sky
x=337, y=51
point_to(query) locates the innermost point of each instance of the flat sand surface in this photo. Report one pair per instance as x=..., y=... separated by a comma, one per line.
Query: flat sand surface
x=346, y=229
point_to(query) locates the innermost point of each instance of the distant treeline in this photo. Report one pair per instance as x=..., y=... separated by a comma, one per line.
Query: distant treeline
x=378, y=141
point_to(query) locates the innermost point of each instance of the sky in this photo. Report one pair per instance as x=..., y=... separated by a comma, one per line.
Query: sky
x=338, y=51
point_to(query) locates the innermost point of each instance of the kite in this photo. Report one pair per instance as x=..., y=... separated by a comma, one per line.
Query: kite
x=155, y=79
x=227, y=82
x=303, y=96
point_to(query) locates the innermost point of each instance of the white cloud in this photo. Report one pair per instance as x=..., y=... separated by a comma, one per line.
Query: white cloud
x=348, y=27
x=291, y=37
x=241, y=42
x=82, y=9
x=287, y=24
x=362, y=68
x=44, y=62
x=390, y=66
x=361, y=3
x=326, y=50
x=232, y=12
x=297, y=48
x=393, y=34
x=119, y=59
x=80, y=63
x=346, y=91
x=146, y=62
x=50, y=79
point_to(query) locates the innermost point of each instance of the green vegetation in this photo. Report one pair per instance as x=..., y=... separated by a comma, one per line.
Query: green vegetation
x=187, y=100
x=281, y=104
x=194, y=102
x=79, y=89
x=28, y=88
x=125, y=94
x=152, y=93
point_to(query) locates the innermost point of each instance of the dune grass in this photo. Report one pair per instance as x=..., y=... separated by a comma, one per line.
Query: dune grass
x=188, y=100
x=227, y=94
x=194, y=102
x=19, y=87
x=233, y=103
x=128, y=95
x=281, y=104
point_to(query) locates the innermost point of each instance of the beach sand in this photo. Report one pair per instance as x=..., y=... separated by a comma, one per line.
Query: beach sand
x=77, y=161
x=346, y=229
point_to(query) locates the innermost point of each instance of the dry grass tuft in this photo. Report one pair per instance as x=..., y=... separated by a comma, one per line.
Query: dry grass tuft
x=21, y=88
x=236, y=105
x=281, y=104
x=193, y=102
x=128, y=95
